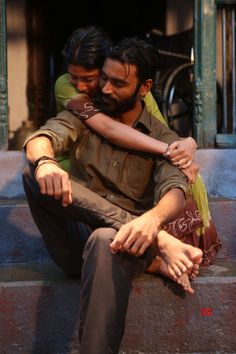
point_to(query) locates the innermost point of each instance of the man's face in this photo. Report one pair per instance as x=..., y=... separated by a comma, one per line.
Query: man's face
x=119, y=87
x=85, y=80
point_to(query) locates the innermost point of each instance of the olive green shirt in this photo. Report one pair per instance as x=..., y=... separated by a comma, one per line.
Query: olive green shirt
x=134, y=181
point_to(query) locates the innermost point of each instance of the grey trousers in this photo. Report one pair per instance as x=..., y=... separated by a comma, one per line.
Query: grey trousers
x=78, y=237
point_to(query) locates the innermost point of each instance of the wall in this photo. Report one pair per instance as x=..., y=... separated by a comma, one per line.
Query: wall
x=179, y=16
x=17, y=64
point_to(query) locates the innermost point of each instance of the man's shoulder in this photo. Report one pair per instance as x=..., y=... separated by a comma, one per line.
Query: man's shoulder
x=157, y=124
x=64, y=119
x=160, y=131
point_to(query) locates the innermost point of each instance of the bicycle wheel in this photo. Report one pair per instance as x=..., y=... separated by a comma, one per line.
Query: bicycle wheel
x=177, y=100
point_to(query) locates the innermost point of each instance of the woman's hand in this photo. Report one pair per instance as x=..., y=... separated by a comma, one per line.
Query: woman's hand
x=191, y=172
x=181, y=153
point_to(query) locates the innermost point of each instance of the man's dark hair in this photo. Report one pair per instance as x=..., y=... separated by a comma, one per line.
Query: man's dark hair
x=137, y=52
x=87, y=46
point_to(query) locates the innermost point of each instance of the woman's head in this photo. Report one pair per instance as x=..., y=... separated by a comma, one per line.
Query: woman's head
x=84, y=54
x=88, y=47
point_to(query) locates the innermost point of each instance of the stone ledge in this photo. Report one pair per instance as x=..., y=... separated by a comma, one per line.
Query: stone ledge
x=10, y=176
x=216, y=166
x=40, y=309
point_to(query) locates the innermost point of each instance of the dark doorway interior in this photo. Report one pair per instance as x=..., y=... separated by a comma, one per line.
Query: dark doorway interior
x=119, y=18
x=50, y=23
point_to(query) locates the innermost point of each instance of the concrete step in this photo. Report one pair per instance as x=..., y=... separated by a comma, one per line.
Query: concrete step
x=39, y=310
x=21, y=241
x=223, y=213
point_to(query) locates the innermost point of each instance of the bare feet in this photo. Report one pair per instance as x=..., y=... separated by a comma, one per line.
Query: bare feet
x=195, y=271
x=158, y=266
x=179, y=257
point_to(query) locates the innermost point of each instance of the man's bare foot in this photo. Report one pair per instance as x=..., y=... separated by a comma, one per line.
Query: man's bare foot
x=195, y=271
x=184, y=281
x=179, y=257
x=158, y=266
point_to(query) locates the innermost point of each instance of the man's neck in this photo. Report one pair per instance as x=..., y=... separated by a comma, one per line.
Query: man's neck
x=131, y=116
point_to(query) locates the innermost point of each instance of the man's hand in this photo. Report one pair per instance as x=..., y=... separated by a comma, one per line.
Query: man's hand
x=137, y=235
x=54, y=182
x=181, y=153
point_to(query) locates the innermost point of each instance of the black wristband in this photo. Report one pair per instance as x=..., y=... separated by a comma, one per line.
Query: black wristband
x=43, y=158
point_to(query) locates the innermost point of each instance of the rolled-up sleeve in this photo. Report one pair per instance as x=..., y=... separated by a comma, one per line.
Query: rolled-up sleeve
x=61, y=130
x=168, y=177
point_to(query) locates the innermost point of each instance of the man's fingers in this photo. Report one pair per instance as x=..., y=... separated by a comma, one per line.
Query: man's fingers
x=49, y=186
x=42, y=185
x=70, y=193
x=57, y=188
x=66, y=190
x=137, y=243
x=119, y=239
x=115, y=246
x=53, y=181
x=139, y=247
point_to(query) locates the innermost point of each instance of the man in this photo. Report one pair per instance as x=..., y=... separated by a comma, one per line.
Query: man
x=132, y=192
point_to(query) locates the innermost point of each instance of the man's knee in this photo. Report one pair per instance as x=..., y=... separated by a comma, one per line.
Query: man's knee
x=101, y=238
x=103, y=235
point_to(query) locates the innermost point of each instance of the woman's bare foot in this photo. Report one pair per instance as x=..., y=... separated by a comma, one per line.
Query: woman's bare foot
x=158, y=266
x=179, y=257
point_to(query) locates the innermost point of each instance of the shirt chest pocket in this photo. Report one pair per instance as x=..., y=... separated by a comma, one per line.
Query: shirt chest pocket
x=138, y=175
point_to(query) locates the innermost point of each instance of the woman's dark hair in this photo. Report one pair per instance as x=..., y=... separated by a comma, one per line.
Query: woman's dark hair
x=137, y=52
x=87, y=46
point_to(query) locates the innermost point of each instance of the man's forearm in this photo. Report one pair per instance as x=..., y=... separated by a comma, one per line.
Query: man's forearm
x=38, y=147
x=169, y=207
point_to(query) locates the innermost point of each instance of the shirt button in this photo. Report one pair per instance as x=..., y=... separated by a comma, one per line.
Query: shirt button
x=114, y=163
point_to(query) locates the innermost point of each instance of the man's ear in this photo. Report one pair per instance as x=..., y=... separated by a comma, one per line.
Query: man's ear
x=146, y=87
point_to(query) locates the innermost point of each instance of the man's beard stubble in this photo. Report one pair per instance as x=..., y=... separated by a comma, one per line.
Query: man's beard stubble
x=112, y=107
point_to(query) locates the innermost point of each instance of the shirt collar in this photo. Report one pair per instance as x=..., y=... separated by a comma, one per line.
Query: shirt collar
x=144, y=120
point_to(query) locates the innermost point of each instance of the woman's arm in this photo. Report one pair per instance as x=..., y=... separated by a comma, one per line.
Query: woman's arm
x=125, y=136
x=116, y=132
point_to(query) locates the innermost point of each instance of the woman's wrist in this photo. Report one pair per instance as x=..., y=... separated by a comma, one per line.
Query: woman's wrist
x=166, y=150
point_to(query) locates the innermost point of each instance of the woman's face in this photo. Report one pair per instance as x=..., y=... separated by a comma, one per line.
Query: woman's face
x=85, y=80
